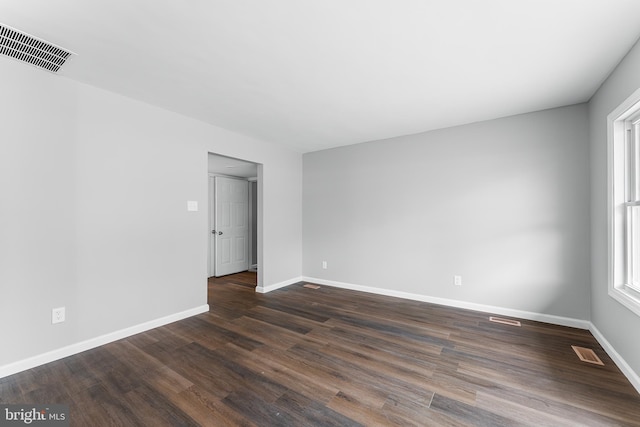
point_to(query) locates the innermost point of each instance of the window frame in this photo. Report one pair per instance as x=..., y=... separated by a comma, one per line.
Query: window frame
x=623, y=171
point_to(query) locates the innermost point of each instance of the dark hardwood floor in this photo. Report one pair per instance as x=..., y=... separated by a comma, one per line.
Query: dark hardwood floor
x=332, y=357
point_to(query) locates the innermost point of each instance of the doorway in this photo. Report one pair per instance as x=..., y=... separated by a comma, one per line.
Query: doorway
x=233, y=215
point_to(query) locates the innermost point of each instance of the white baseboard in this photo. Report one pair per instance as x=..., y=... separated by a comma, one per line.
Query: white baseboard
x=265, y=289
x=628, y=372
x=539, y=317
x=72, y=349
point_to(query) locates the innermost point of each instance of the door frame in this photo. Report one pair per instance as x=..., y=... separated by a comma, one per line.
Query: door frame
x=253, y=263
x=259, y=219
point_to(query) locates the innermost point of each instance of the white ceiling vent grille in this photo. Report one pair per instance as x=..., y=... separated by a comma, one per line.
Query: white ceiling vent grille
x=32, y=50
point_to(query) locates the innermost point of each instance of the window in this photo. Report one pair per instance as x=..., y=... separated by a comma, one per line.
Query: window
x=624, y=202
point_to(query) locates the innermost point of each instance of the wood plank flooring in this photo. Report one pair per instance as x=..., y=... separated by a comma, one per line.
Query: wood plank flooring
x=332, y=357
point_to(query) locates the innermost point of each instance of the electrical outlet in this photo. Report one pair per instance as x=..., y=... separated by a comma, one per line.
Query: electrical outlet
x=324, y=265
x=457, y=280
x=57, y=315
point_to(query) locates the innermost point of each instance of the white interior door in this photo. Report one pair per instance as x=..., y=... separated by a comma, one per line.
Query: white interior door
x=212, y=239
x=231, y=225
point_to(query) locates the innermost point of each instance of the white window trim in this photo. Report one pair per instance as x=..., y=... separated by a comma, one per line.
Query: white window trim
x=617, y=262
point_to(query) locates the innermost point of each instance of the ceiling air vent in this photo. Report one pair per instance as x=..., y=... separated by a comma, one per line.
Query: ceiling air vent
x=32, y=50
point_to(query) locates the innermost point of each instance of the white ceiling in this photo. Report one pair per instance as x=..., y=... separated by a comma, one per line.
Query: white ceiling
x=319, y=74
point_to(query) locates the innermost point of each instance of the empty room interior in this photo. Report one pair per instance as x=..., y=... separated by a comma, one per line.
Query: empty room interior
x=320, y=213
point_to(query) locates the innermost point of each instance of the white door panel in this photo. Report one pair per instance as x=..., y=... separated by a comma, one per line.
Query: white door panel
x=231, y=225
x=212, y=240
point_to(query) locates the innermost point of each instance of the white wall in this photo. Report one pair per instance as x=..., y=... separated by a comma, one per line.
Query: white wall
x=37, y=209
x=93, y=216
x=93, y=191
x=613, y=320
x=504, y=203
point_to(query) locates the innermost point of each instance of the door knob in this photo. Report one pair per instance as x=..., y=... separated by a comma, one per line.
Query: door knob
x=219, y=233
x=213, y=231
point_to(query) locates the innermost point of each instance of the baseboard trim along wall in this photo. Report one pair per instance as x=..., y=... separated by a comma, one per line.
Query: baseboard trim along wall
x=633, y=378
x=539, y=317
x=265, y=289
x=70, y=350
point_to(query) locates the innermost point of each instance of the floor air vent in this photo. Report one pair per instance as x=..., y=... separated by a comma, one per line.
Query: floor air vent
x=311, y=286
x=587, y=355
x=32, y=50
x=504, y=321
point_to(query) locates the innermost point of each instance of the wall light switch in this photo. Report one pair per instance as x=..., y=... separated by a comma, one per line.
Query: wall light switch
x=192, y=206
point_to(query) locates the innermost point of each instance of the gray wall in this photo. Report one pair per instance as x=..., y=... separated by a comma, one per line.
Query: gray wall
x=37, y=210
x=504, y=203
x=93, y=215
x=618, y=324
